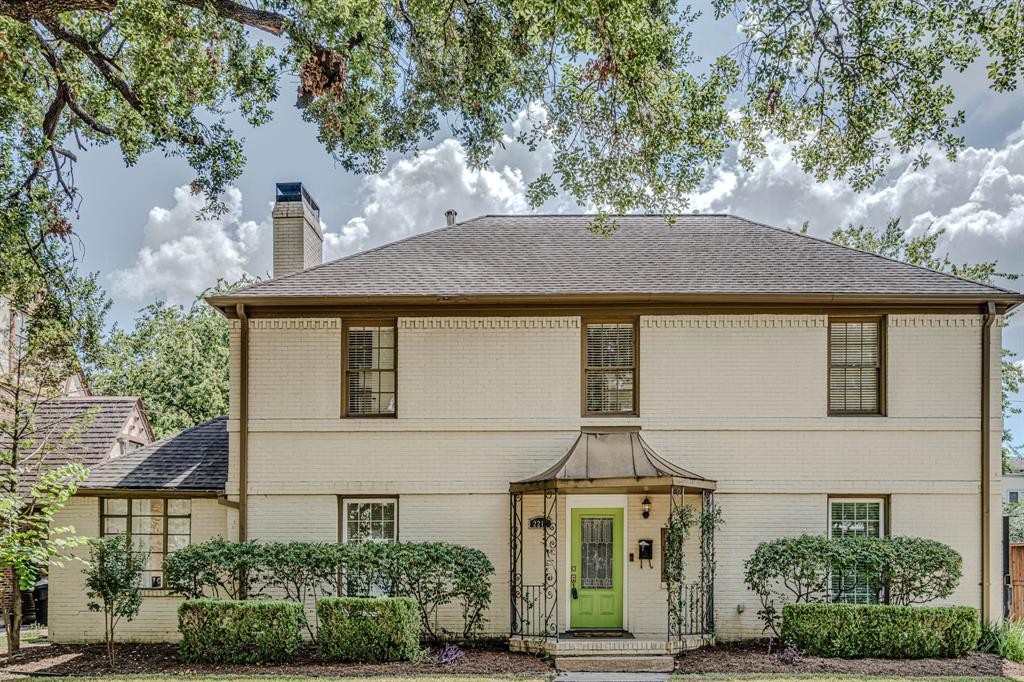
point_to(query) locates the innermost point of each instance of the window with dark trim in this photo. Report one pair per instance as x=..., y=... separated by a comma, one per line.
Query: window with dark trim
x=856, y=366
x=369, y=360
x=610, y=350
x=157, y=526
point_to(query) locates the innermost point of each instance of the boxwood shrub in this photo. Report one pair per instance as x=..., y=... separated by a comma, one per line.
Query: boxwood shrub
x=368, y=630
x=229, y=631
x=880, y=630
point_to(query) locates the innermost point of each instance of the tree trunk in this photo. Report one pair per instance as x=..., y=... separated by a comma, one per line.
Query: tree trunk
x=12, y=617
x=110, y=637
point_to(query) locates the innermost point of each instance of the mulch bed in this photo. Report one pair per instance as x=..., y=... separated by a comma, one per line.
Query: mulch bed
x=753, y=657
x=162, y=659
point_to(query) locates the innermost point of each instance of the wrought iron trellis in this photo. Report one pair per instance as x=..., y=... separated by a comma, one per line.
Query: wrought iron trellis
x=533, y=609
x=515, y=562
x=690, y=607
x=707, y=558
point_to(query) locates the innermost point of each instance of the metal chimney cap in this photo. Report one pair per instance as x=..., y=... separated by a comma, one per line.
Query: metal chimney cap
x=294, y=191
x=450, y=215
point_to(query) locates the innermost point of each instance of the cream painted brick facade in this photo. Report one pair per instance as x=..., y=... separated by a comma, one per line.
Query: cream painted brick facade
x=740, y=399
x=69, y=615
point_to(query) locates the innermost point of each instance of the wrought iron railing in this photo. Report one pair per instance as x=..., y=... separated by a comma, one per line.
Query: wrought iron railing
x=692, y=615
x=533, y=619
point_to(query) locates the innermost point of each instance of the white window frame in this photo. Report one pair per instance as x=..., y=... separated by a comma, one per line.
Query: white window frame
x=1009, y=498
x=882, y=520
x=346, y=501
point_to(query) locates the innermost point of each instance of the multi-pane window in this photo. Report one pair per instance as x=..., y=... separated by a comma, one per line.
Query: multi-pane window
x=855, y=358
x=157, y=526
x=371, y=520
x=369, y=364
x=368, y=520
x=855, y=518
x=610, y=350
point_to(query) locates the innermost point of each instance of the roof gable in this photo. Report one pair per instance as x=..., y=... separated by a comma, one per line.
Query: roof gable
x=556, y=255
x=194, y=460
x=96, y=423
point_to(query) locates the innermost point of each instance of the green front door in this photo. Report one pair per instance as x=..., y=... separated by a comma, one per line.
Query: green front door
x=595, y=571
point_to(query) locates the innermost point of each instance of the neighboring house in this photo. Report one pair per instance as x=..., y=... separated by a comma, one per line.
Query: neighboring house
x=76, y=427
x=547, y=395
x=1013, y=482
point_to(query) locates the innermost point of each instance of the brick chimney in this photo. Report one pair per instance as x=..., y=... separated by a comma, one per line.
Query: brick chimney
x=298, y=242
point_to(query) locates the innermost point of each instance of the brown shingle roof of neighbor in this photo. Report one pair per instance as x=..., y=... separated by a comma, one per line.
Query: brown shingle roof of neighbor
x=90, y=445
x=556, y=255
x=194, y=460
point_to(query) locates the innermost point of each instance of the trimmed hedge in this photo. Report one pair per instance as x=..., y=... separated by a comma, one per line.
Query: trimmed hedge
x=228, y=631
x=880, y=630
x=368, y=630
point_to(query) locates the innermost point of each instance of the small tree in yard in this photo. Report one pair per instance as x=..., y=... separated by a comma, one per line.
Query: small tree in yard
x=35, y=483
x=112, y=582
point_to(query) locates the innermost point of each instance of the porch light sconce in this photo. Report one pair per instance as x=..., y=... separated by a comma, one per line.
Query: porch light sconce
x=646, y=506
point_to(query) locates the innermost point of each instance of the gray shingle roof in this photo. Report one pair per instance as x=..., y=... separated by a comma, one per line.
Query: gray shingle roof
x=557, y=255
x=90, y=445
x=195, y=460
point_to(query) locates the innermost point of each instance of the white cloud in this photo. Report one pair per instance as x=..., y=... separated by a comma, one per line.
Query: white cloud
x=182, y=254
x=979, y=200
x=413, y=194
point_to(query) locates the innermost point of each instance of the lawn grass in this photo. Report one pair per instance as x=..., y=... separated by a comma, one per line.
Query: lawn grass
x=301, y=678
x=824, y=677
x=528, y=678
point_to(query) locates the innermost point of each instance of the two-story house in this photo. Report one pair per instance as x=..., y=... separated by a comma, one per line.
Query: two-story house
x=548, y=395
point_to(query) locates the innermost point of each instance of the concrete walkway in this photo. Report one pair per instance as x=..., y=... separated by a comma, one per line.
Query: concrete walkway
x=612, y=677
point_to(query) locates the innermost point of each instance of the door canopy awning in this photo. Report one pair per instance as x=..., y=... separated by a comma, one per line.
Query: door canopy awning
x=604, y=460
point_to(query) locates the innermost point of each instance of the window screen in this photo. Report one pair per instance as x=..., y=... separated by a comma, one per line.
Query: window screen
x=370, y=369
x=855, y=367
x=157, y=526
x=855, y=518
x=610, y=372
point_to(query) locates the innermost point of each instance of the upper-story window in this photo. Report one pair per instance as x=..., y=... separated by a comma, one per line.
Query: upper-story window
x=368, y=358
x=610, y=353
x=856, y=362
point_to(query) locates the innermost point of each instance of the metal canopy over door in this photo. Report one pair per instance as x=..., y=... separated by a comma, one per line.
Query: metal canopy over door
x=595, y=570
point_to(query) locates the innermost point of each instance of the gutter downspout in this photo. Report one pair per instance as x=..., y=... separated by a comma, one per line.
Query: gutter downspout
x=243, y=425
x=988, y=319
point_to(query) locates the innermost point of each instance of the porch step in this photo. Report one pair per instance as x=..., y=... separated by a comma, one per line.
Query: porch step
x=615, y=664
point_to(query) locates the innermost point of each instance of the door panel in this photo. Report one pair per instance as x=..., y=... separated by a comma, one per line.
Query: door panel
x=596, y=570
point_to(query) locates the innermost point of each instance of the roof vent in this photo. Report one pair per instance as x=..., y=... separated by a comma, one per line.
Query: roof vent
x=450, y=216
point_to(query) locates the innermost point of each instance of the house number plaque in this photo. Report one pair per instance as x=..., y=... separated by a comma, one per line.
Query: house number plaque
x=540, y=522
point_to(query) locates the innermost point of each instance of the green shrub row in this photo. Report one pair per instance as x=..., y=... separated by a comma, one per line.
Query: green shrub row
x=881, y=630
x=254, y=631
x=229, y=631
x=899, y=570
x=371, y=630
x=435, y=574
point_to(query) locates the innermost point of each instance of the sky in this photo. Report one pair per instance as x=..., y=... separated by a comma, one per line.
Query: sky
x=139, y=228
